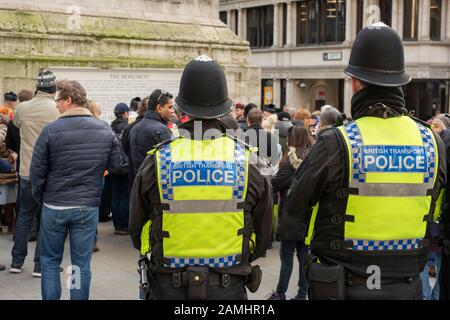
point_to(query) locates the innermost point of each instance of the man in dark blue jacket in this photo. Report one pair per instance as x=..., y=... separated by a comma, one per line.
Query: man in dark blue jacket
x=66, y=175
x=151, y=130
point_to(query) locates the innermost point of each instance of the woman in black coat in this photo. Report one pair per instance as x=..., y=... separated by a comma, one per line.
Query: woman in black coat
x=299, y=145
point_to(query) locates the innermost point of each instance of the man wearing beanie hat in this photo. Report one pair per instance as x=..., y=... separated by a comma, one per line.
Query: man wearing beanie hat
x=374, y=185
x=31, y=117
x=200, y=211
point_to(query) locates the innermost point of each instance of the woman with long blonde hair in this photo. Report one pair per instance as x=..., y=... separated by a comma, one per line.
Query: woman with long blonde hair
x=94, y=108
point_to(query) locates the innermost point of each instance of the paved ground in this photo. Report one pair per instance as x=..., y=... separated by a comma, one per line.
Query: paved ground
x=114, y=271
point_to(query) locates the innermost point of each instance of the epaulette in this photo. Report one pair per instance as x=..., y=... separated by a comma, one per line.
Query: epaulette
x=162, y=144
x=420, y=121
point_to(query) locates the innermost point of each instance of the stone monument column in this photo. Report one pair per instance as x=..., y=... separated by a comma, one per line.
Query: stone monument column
x=290, y=87
x=277, y=92
x=350, y=20
x=152, y=36
x=291, y=26
x=242, y=23
x=395, y=16
x=448, y=22
x=399, y=14
x=424, y=20
x=276, y=25
x=294, y=5
x=229, y=24
x=348, y=94
x=444, y=20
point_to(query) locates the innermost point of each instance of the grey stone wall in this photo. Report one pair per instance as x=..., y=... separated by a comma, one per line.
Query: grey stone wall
x=119, y=34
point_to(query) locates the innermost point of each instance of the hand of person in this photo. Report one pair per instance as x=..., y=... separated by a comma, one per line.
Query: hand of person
x=11, y=158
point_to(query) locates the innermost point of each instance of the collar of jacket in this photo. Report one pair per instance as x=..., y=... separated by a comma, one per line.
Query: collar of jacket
x=76, y=112
x=150, y=114
x=381, y=102
x=119, y=121
x=255, y=126
x=42, y=94
x=211, y=124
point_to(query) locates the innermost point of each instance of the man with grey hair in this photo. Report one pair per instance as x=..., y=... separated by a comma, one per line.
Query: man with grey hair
x=291, y=110
x=328, y=117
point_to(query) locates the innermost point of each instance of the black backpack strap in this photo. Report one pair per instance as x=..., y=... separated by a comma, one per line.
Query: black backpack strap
x=425, y=124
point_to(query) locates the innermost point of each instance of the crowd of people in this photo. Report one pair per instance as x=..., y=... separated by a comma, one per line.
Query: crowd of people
x=149, y=168
x=293, y=131
x=33, y=132
x=145, y=123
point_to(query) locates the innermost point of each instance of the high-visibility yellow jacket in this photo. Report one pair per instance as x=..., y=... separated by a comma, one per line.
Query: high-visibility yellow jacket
x=202, y=186
x=391, y=167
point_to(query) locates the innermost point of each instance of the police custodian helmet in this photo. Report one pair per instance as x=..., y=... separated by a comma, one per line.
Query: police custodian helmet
x=378, y=57
x=203, y=90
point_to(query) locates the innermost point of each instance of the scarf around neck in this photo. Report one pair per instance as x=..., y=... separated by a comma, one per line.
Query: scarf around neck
x=382, y=102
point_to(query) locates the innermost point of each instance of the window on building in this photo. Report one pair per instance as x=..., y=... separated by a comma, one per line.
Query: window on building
x=410, y=20
x=223, y=16
x=312, y=20
x=359, y=17
x=302, y=22
x=435, y=19
x=268, y=26
x=282, y=93
x=426, y=97
x=340, y=21
x=266, y=92
x=341, y=95
x=260, y=26
x=236, y=21
x=386, y=12
x=320, y=21
x=253, y=27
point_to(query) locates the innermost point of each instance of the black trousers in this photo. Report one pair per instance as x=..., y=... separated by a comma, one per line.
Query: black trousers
x=105, y=205
x=165, y=290
x=391, y=291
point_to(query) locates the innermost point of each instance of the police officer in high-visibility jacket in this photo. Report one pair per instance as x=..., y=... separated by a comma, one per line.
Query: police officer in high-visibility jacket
x=364, y=195
x=200, y=211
